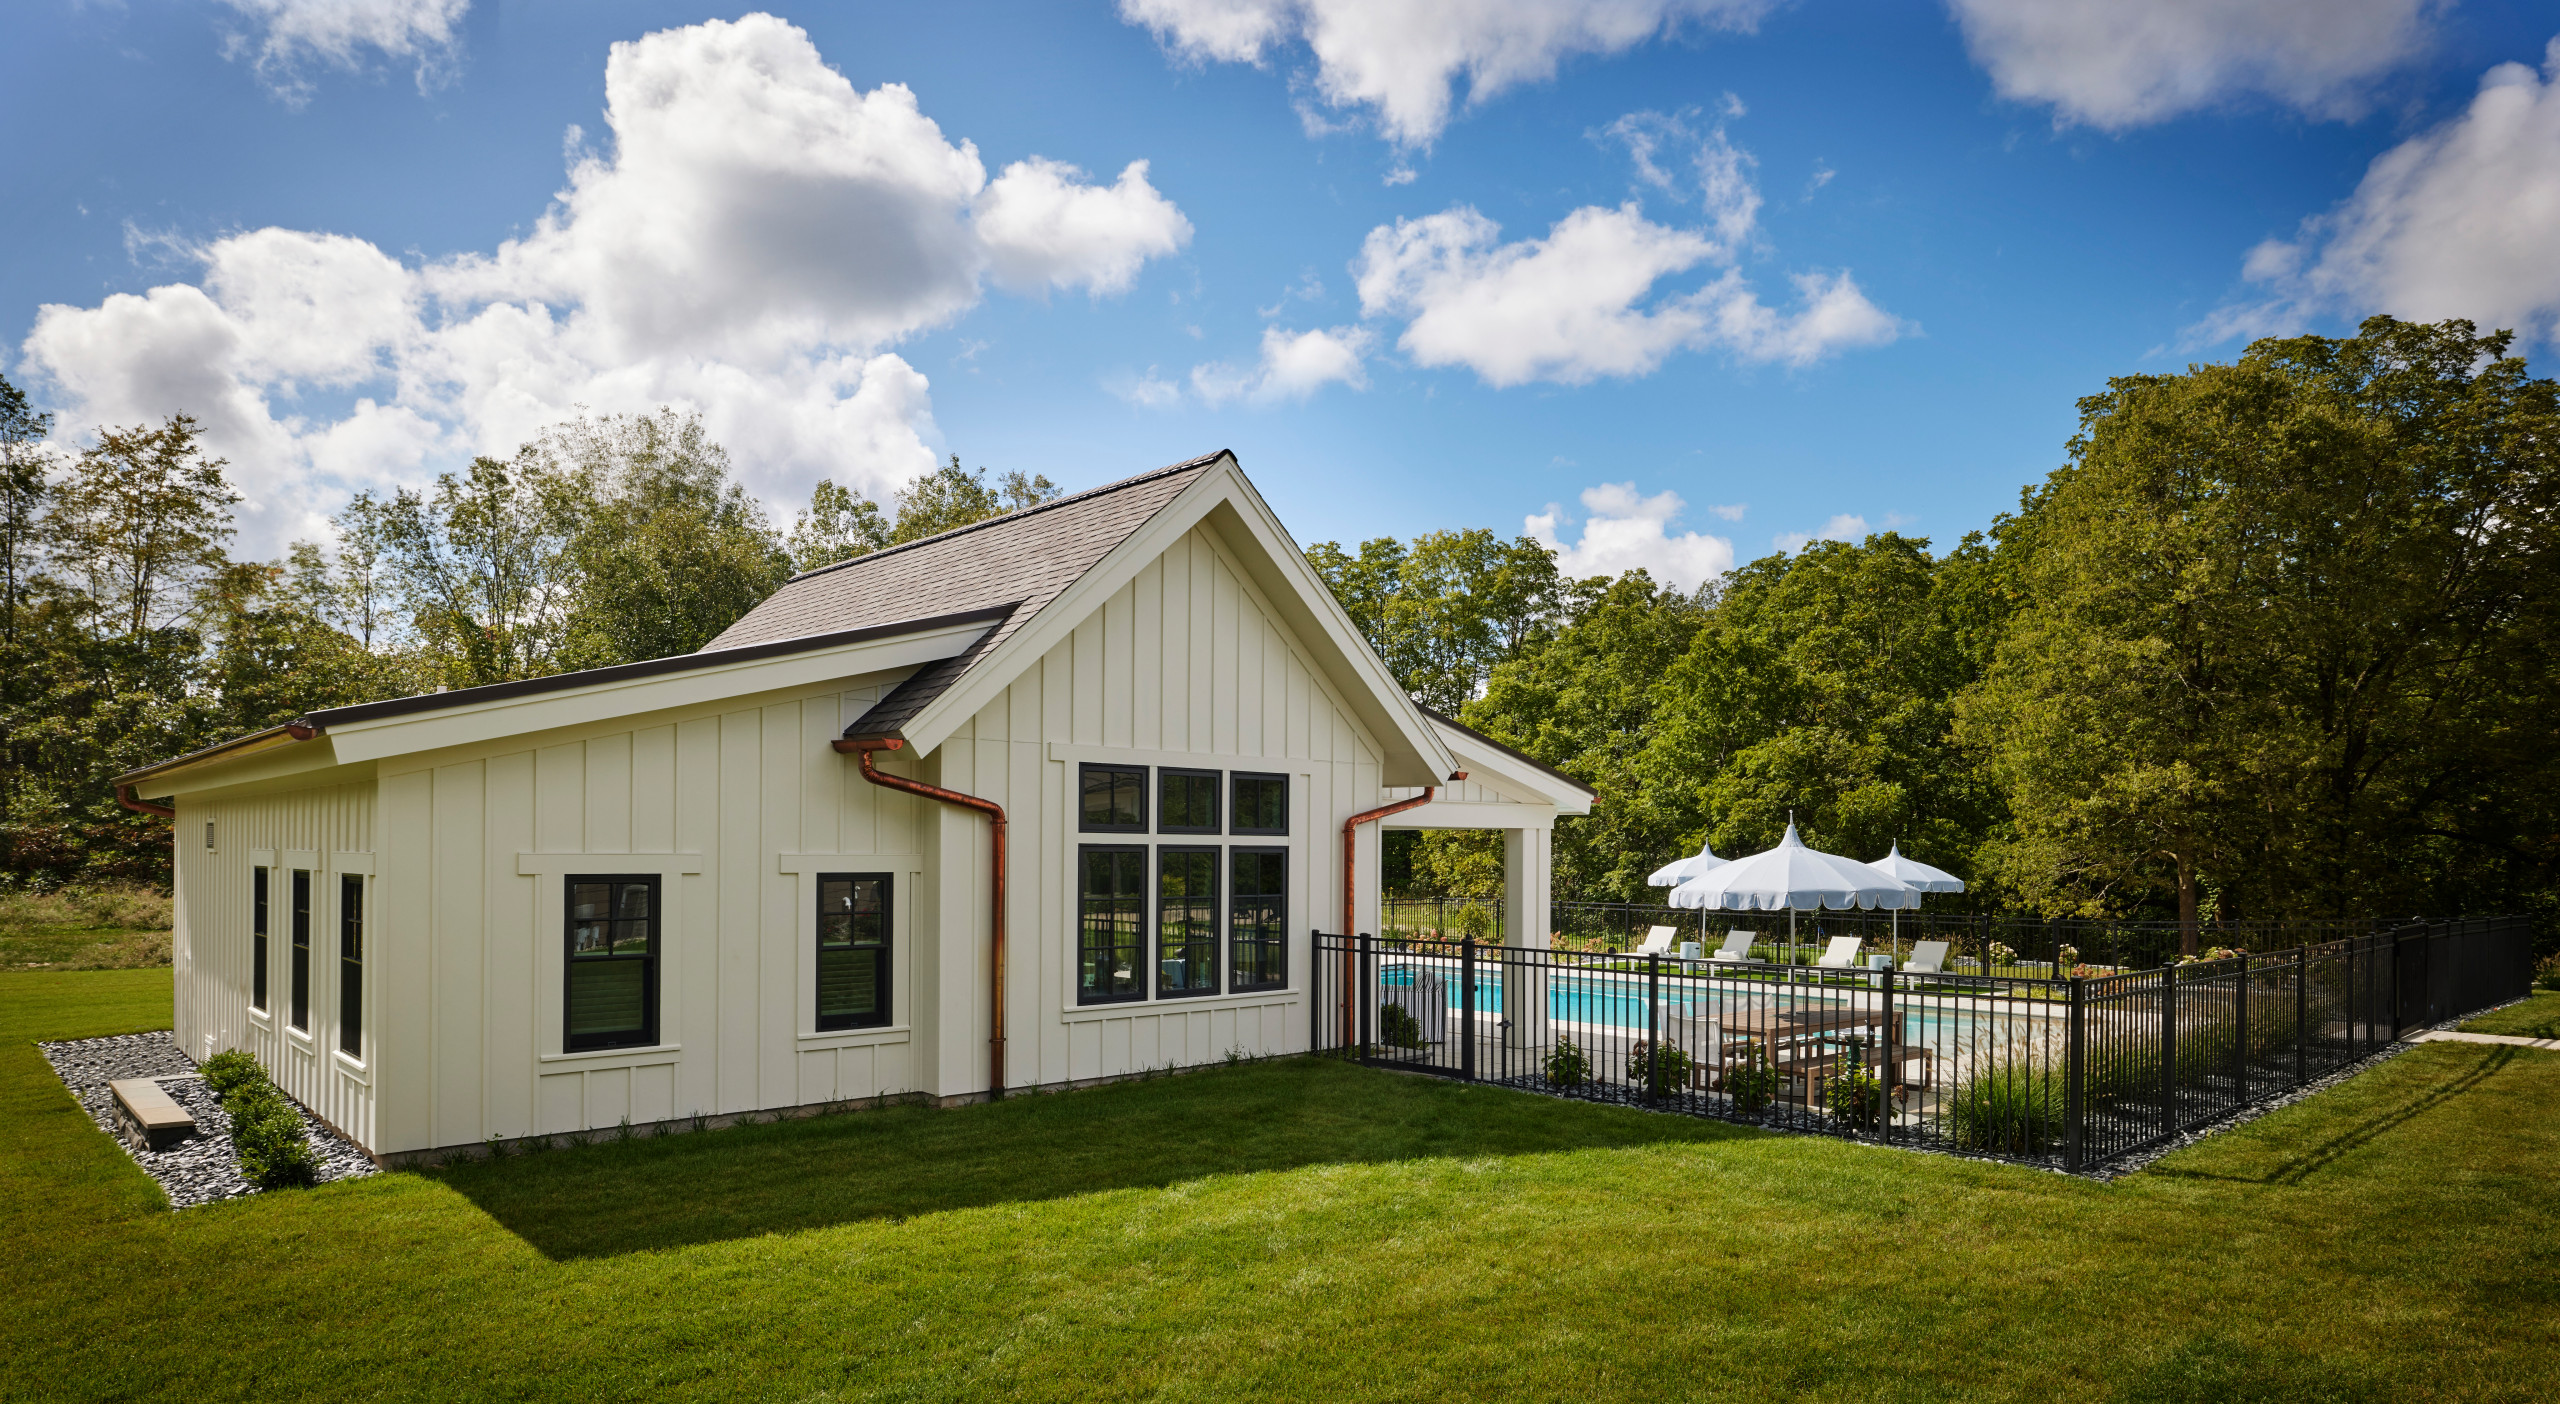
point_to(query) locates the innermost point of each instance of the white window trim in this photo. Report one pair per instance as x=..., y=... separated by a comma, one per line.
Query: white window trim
x=906, y=879
x=548, y=898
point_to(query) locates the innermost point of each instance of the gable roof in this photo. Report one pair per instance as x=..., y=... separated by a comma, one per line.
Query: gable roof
x=1553, y=784
x=1022, y=559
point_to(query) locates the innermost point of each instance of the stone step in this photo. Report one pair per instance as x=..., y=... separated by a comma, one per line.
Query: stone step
x=149, y=1118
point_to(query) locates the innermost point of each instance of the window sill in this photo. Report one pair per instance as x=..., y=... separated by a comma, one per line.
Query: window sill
x=855, y=1038
x=300, y=1039
x=262, y=1018
x=627, y=1057
x=1087, y=1013
x=352, y=1069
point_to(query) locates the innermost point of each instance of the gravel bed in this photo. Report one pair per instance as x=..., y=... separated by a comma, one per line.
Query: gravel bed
x=202, y=1168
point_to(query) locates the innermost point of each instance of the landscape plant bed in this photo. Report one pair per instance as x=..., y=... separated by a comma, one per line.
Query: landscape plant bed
x=204, y=1167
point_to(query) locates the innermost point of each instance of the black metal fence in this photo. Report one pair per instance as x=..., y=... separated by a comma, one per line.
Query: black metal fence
x=1441, y=918
x=2069, y=1071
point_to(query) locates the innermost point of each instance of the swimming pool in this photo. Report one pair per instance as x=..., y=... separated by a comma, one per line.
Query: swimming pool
x=1618, y=1001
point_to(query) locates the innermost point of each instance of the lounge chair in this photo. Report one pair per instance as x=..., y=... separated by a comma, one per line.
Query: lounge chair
x=1737, y=946
x=1842, y=954
x=1927, y=958
x=1656, y=942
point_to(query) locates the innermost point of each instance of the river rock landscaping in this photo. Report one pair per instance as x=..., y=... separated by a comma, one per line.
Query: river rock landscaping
x=204, y=1167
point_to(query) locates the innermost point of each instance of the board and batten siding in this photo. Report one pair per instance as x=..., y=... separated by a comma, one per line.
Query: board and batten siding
x=327, y=832
x=1185, y=665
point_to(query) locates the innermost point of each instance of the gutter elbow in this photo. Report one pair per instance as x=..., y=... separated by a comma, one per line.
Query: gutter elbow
x=124, y=796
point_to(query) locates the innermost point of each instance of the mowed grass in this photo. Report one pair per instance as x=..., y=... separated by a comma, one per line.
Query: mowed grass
x=1302, y=1230
x=2537, y=1017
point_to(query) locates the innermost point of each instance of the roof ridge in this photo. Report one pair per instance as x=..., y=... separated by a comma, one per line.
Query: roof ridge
x=1015, y=515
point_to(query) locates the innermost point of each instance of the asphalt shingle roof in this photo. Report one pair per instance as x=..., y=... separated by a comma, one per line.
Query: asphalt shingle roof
x=1024, y=559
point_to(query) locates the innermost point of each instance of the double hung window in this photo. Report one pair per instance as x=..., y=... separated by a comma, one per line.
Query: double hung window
x=1111, y=923
x=1186, y=922
x=258, y=939
x=1258, y=917
x=351, y=964
x=302, y=949
x=612, y=977
x=853, y=950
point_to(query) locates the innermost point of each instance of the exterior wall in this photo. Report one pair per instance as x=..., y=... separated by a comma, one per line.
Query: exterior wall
x=324, y=831
x=1185, y=666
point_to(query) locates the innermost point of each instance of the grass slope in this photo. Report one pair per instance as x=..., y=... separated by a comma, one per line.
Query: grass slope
x=1303, y=1230
x=2537, y=1017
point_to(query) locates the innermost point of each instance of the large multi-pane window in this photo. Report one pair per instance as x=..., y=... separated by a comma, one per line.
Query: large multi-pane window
x=351, y=964
x=302, y=949
x=1258, y=916
x=1113, y=799
x=853, y=950
x=1186, y=921
x=612, y=985
x=1111, y=923
x=1186, y=801
x=1261, y=803
x=258, y=939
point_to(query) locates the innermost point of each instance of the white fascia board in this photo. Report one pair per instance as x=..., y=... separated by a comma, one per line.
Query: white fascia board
x=430, y=731
x=230, y=770
x=1463, y=814
x=1486, y=765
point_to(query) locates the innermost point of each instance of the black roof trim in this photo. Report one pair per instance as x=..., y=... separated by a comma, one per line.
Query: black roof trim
x=1520, y=756
x=649, y=668
x=1049, y=506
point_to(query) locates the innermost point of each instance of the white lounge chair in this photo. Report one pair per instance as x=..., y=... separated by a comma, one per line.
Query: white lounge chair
x=1927, y=958
x=1842, y=954
x=1737, y=946
x=1656, y=942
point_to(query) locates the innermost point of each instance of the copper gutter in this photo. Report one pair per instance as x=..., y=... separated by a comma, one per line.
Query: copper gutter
x=1351, y=885
x=124, y=796
x=861, y=749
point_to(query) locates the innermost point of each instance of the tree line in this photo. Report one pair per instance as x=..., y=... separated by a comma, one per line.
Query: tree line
x=2276, y=640
x=129, y=633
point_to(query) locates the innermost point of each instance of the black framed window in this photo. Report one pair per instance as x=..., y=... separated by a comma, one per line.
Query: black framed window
x=1186, y=801
x=612, y=984
x=1258, y=917
x=1111, y=923
x=1114, y=799
x=258, y=939
x=853, y=950
x=302, y=949
x=351, y=963
x=1186, y=922
x=1261, y=803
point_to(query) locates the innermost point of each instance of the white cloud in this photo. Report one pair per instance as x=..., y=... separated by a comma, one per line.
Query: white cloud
x=1846, y=526
x=1401, y=59
x=2459, y=221
x=1294, y=365
x=1731, y=511
x=339, y=33
x=1626, y=531
x=757, y=238
x=1579, y=303
x=2115, y=65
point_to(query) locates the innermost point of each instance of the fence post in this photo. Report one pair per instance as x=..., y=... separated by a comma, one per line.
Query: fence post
x=1467, y=1004
x=2169, y=1050
x=1367, y=978
x=2352, y=1054
x=1653, y=1025
x=1315, y=992
x=2076, y=1070
x=2240, y=1036
x=1892, y=1069
x=2301, y=1015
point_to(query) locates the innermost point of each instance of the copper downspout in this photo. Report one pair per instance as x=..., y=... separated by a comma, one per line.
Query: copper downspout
x=862, y=749
x=124, y=796
x=1351, y=886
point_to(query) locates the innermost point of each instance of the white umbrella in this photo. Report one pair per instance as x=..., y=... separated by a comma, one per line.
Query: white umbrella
x=1678, y=871
x=1918, y=876
x=1794, y=877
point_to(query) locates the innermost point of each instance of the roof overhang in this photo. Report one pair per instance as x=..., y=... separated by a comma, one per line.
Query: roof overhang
x=1511, y=771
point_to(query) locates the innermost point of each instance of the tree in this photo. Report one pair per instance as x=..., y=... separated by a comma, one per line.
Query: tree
x=142, y=520
x=946, y=498
x=484, y=567
x=23, y=490
x=1444, y=611
x=837, y=527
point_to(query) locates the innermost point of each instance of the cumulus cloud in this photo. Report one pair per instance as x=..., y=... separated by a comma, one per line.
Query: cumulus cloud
x=1580, y=303
x=1400, y=60
x=1294, y=365
x=2458, y=221
x=1623, y=530
x=291, y=34
x=1847, y=526
x=755, y=240
x=2108, y=64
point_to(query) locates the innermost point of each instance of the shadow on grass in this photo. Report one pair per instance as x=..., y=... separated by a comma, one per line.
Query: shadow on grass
x=626, y=1196
x=2301, y=1166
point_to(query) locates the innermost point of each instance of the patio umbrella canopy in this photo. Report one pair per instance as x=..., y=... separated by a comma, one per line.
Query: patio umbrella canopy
x=1794, y=878
x=1680, y=870
x=1914, y=874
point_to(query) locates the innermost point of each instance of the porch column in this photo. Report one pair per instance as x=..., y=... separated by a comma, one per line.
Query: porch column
x=1527, y=878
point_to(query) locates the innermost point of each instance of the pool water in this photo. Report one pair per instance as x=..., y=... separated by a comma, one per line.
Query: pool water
x=1620, y=1002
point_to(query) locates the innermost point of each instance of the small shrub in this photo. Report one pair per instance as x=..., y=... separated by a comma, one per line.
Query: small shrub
x=1567, y=1064
x=1751, y=1081
x=267, y=1131
x=2546, y=976
x=1397, y=1028
x=2011, y=1107
x=1476, y=920
x=230, y=1070
x=1852, y=1091
x=1669, y=1061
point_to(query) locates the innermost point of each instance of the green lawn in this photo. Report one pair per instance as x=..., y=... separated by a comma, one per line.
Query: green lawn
x=2537, y=1017
x=1303, y=1230
x=82, y=948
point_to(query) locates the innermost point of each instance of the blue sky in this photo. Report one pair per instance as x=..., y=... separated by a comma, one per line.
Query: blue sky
x=1805, y=268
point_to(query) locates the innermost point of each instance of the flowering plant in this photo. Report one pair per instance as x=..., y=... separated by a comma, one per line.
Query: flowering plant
x=2002, y=955
x=2068, y=955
